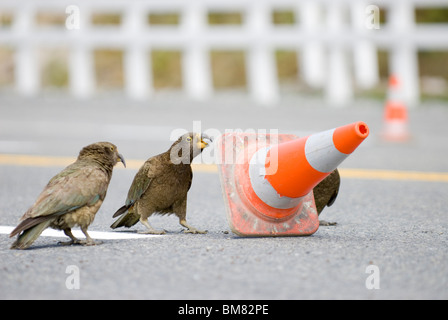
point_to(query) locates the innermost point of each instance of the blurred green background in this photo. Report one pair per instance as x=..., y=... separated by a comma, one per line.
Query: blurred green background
x=228, y=67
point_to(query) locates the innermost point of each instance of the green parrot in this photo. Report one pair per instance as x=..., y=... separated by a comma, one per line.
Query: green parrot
x=325, y=194
x=161, y=186
x=72, y=197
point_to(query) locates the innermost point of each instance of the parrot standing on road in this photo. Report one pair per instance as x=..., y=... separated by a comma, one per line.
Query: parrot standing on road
x=72, y=197
x=325, y=194
x=161, y=186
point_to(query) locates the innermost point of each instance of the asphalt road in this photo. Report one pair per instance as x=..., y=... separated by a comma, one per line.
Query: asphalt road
x=398, y=225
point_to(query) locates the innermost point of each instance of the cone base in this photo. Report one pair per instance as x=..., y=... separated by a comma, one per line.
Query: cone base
x=252, y=219
x=395, y=131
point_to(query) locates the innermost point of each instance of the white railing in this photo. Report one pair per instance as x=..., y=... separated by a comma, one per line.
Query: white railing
x=338, y=49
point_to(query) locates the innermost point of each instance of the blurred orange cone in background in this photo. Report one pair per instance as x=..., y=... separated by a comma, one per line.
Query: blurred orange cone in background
x=268, y=188
x=395, y=114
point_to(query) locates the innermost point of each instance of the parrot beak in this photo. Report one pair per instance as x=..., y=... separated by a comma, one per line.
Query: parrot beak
x=121, y=159
x=204, y=144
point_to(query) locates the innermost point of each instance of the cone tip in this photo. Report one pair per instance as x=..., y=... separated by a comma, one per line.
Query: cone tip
x=347, y=138
x=361, y=129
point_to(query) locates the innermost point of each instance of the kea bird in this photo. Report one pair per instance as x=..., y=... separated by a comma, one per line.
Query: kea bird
x=161, y=186
x=325, y=194
x=72, y=197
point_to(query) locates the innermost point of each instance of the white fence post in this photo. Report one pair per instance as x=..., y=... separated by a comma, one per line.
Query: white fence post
x=312, y=58
x=365, y=58
x=136, y=62
x=403, y=55
x=26, y=67
x=81, y=64
x=260, y=62
x=196, y=69
x=338, y=89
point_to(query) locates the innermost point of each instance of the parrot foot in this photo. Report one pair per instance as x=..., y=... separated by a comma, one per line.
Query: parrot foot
x=195, y=231
x=152, y=231
x=69, y=243
x=90, y=242
x=73, y=239
x=327, y=223
x=190, y=229
x=149, y=228
x=80, y=242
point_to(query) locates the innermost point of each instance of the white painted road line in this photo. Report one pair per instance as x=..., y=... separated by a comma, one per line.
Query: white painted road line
x=100, y=235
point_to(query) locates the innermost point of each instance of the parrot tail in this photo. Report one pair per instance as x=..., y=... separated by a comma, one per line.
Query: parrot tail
x=32, y=228
x=127, y=220
x=122, y=210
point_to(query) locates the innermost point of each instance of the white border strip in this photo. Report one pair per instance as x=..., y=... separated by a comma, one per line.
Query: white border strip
x=101, y=235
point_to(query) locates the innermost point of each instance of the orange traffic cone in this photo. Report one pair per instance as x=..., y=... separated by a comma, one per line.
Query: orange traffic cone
x=268, y=187
x=395, y=114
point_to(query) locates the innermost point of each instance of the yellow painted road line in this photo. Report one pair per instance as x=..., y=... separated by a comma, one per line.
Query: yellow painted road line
x=46, y=161
x=366, y=174
x=377, y=174
x=34, y=161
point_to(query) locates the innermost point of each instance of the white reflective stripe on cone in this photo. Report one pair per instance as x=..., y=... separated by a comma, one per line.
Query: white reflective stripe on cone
x=321, y=153
x=261, y=186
